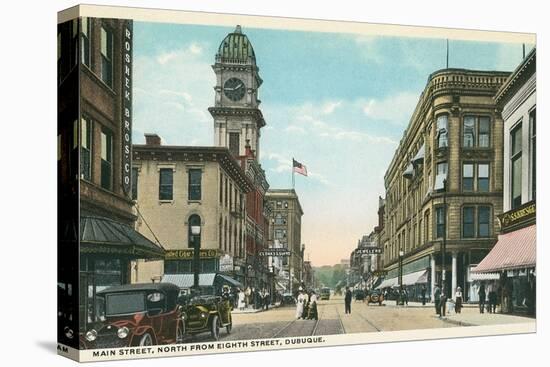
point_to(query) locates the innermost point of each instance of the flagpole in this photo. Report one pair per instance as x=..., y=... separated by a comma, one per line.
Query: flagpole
x=292, y=173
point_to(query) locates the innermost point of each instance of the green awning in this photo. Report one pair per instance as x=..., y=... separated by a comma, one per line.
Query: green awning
x=99, y=235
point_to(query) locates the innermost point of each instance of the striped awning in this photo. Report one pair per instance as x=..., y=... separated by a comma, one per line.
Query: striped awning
x=513, y=250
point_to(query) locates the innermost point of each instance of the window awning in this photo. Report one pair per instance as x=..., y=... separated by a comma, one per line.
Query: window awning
x=101, y=235
x=409, y=171
x=418, y=277
x=513, y=250
x=205, y=280
x=483, y=276
x=419, y=157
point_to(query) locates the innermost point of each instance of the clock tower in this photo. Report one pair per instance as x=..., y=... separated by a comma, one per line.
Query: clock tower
x=237, y=118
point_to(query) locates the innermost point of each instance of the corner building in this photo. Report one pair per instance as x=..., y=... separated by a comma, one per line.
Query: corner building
x=450, y=152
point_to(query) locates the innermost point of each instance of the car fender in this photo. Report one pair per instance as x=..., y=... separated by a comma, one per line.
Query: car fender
x=142, y=330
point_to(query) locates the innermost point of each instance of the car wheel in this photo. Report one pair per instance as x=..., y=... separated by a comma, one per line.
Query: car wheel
x=146, y=340
x=215, y=328
x=180, y=333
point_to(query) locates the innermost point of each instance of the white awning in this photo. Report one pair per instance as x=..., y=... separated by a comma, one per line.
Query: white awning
x=483, y=276
x=418, y=277
x=409, y=171
x=388, y=283
x=419, y=157
x=186, y=280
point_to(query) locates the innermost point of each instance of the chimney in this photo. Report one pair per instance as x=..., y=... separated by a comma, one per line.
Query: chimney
x=152, y=139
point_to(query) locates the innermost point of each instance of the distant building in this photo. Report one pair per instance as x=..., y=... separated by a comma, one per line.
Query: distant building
x=285, y=230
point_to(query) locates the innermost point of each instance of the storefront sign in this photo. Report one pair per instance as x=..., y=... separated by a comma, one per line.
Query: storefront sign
x=127, y=109
x=379, y=273
x=226, y=263
x=188, y=254
x=369, y=251
x=517, y=216
x=275, y=252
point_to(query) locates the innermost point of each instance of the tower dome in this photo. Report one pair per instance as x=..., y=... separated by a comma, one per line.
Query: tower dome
x=236, y=47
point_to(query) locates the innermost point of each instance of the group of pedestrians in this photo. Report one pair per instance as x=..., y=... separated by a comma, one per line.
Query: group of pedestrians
x=306, y=305
x=252, y=297
x=492, y=299
x=444, y=305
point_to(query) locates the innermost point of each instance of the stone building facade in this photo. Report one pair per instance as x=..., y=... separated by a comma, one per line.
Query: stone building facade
x=179, y=187
x=451, y=152
x=285, y=230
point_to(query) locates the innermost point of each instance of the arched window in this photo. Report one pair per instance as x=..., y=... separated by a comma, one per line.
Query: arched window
x=194, y=231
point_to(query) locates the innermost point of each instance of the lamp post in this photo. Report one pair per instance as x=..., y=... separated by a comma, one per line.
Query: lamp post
x=401, y=253
x=195, y=237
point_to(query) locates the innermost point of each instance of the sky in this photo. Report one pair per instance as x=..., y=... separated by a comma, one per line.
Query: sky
x=338, y=103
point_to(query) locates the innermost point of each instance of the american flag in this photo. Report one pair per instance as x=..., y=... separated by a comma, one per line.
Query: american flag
x=299, y=167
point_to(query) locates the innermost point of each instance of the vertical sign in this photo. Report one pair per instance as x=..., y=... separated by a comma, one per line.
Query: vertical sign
x=127, y=108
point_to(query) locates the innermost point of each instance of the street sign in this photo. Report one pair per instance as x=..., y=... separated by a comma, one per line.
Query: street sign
x=275, y=252
x=369, y=251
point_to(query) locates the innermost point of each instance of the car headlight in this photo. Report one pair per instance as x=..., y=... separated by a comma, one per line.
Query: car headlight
x=68, y=332
x=91, y=335
x=122, y=332
x=203, y=315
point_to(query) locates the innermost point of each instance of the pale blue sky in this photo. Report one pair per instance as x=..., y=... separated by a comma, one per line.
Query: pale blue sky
x=338, y=103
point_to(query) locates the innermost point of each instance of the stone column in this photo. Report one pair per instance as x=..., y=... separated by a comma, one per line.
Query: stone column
x=453, y=279
x=432, y=267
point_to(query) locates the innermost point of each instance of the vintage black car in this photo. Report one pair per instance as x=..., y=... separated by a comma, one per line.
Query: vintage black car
x=136, y=315
x=359, y=295
x=206, y=313
x=375, y=296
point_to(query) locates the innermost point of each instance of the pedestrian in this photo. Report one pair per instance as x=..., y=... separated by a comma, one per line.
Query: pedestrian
x=406, y=297
x=492, y=301
x=300, y=300
x=313, y=306
x=247, y=296
x=458, y=300
x=347, y=300
x=423, y=295
x=240, y=300
x=443, y=303
x=437, y=300
x=266, y=299
x=482, y=295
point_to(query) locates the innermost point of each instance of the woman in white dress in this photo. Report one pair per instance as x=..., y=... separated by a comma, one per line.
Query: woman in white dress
x=300, y=304
x=241, y=300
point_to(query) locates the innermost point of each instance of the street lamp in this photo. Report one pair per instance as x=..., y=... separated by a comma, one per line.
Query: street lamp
x=195, y=237
x=401, y=253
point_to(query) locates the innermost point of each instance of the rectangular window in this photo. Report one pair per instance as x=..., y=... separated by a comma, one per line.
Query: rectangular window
x=440, y=222
x=166, y=184
x=469, y=127
x=533, y=123
x=134, y=183
x=106, y=160
x=85, y=39
x=85, y=149
x=221, y=188
x=468, y=177
x=107, y=56
x=484, y=132
x=278, y=234
x=468, y=222
x=483, y=221
x=225, y=192
x=234, y=143
x=516, y=136
x=442, y=136
x=483, y=177
x=195, y=179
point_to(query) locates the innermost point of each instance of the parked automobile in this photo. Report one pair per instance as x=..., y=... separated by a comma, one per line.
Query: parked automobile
x=375, y=296
x=207, y=313
x=325, y=293
x=136, y=315
x=359, y=295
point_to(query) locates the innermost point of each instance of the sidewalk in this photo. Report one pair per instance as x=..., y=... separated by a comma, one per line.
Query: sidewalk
x=472, y=317
x=250, y=309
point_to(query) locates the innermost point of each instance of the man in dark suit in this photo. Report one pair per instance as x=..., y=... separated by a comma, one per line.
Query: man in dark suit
x=347, y=300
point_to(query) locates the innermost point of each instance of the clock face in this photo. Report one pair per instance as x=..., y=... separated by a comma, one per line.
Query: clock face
x=234, y=89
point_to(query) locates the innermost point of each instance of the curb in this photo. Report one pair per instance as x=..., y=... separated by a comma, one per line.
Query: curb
x=457, y=322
